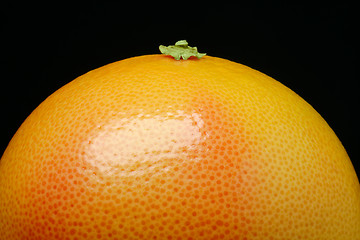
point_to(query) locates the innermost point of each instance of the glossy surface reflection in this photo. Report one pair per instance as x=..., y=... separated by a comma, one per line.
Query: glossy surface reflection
x=144, y=141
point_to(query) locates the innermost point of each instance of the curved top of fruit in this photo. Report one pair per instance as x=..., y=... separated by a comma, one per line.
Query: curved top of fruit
x=181, y=49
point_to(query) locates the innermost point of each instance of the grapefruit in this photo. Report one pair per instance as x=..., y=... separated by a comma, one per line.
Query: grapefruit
x=156, y=148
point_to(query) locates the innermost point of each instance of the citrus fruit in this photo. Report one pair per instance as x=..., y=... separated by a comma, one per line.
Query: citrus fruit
x=156, y=148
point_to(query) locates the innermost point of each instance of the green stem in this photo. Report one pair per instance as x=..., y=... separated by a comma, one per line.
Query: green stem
x=181, y=49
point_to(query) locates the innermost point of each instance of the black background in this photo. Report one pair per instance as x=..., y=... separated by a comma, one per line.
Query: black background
x=308, y=48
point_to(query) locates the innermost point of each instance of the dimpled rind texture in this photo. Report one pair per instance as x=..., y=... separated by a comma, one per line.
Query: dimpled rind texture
x=154, y=148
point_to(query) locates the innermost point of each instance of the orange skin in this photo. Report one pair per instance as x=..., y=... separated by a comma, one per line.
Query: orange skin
x=154, y=148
